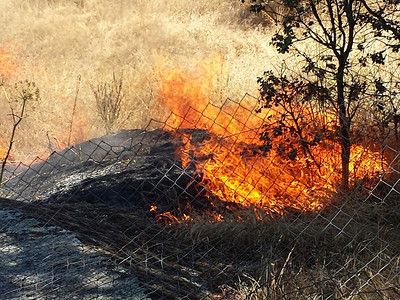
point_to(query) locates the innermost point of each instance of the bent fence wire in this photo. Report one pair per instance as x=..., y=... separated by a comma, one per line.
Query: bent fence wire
x=194, y=208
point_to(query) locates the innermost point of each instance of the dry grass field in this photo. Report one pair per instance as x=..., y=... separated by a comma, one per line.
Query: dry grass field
x=80, y=51
x=69, y=47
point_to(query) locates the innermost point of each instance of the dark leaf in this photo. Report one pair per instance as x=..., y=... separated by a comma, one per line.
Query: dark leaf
x=378, y=57
x=379, y=86
x=292, y=154
x=331, y=66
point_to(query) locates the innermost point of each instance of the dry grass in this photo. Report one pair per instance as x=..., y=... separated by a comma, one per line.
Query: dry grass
x=54, y=42
x=348, y=250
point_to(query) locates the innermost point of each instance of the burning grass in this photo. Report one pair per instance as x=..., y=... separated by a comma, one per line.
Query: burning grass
x=231, y=162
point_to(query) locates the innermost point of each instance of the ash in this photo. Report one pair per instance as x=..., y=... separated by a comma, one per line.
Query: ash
x=64, y=220
x=132, y=168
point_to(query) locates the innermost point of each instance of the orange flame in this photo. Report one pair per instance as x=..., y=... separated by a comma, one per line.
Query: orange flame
x=228, y=166
x=8, y=63
x=3, y=153
x=167, y=218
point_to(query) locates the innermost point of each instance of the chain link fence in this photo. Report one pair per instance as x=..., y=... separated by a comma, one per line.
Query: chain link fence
x=197, y=208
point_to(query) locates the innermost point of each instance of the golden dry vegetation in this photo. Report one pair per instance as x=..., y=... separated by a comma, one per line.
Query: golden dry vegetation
x=69, y=47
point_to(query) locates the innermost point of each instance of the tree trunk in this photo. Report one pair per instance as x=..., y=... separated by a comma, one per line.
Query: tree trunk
x=344, y=129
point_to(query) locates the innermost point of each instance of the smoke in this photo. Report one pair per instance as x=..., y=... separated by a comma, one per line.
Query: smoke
x=68, y=47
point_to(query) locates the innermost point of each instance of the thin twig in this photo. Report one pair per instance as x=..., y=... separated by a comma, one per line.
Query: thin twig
x=73, y=110
x=17, y=120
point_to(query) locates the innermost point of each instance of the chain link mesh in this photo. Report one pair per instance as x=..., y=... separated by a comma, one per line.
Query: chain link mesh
x=135, y=215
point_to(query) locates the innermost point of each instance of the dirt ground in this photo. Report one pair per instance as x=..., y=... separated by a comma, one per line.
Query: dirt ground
x=38, y=261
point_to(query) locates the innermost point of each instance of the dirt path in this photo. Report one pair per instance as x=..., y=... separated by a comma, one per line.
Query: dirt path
x=38, y=261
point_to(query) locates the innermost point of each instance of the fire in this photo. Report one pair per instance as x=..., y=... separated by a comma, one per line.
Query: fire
x=227, y=161
x=3, y=153
x=167, y=218
x=8, y=63
x=183, y=95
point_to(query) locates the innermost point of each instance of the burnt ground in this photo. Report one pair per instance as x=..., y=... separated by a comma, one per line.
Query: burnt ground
x=131, y=169
x=43, y=261
x=95, y=169
x=97, y=194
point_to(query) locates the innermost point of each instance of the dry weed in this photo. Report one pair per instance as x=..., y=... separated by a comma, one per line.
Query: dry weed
x=57, y=41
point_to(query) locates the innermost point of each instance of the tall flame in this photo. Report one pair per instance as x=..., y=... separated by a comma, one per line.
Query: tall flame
x=227, y=163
